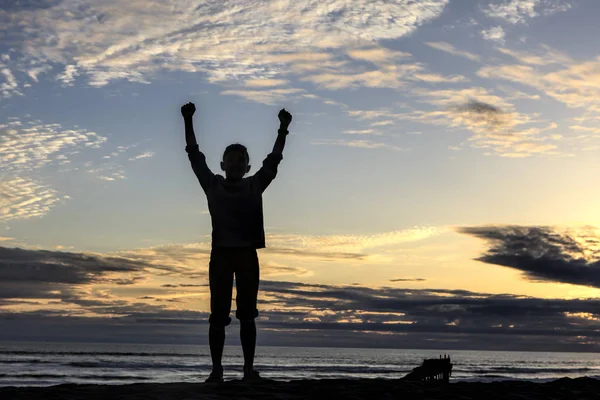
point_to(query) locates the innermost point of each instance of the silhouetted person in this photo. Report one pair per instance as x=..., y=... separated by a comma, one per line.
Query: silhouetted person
x=235, y=205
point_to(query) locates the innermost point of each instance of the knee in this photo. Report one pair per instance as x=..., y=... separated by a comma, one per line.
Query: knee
x=219, y=322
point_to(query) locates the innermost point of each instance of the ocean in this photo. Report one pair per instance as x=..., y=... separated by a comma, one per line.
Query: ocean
x=45, y=364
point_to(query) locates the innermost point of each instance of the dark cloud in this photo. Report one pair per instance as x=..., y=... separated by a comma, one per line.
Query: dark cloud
x=479, y=107
x=408, y=280
x=183, y=285
x=291, y=313
x=543, y=253
x=477, y=110
x=305, y=314
x=45, y=274
x=60, y=267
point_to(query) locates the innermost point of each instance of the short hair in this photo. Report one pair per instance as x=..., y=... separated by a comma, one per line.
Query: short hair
x=237, y=147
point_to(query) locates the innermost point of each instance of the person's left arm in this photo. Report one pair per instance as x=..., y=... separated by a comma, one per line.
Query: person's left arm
x=268, y=171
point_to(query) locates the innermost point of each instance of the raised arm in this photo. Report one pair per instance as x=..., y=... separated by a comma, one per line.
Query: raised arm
x=268, y=171
x=187, y=111
x=197, y=158
x=285, y=118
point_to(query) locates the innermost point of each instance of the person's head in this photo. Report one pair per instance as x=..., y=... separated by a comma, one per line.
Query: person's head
x=236, y=161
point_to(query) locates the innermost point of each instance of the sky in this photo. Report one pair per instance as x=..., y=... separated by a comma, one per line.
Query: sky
x=438, y=187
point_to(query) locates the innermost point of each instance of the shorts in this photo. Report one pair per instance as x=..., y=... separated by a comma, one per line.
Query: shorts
x=224, y=263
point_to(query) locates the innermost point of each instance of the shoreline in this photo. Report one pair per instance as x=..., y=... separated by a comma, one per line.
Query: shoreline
x=359, y=389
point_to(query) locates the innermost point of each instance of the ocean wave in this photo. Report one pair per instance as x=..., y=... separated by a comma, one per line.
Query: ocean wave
x=70, y=377
x=133, y=365
x=525, y=370
x=360, y=369
x=100, y=353
x=25, y=361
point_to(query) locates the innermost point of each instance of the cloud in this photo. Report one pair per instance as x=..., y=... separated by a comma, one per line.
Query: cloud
x=269, y=96
x=24, y=198
x=496, y=126
x=42, y=274
x=330, y=247
x=383, y=123
x=8, y=83
x=361, y=132
x=127, y=40
x=5, y=239
x=450, y=49
x=364, y=144
x=67, y=77
x=435, y=78
x=122, y=275
x=27, y=146
x=387, y=74
x=345, y=248
x=261, y=83
x=146, y=154
x=519, y=11
x=58, y=288
x=514, y=94
x=352, y=315
x=545, y=56
x=486, y=113
x=108, y=172
x=576, y=84
x=378, y=55
x=543, y=253
x=495, y=34
x=408, y=280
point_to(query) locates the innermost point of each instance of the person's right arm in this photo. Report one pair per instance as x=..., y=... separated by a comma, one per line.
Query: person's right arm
x=197, y=158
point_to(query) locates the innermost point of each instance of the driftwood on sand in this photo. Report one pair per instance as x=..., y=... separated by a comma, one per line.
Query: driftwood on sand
x=432, y=370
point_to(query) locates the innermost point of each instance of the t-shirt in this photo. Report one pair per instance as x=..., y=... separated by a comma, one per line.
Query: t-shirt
x=235, y=207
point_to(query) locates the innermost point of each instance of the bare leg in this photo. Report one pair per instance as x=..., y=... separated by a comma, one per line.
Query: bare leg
x=248, y=339
x=216, y=339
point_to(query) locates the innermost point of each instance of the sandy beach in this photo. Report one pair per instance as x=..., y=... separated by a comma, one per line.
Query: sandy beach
x=344, y=389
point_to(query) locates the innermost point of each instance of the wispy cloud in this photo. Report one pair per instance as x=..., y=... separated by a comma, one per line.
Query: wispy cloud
x=261, y=83
x=30, y=146
x=8, y=83
x=196, y=36
x=23, y=198
x=575, y=84
x=361, y=132
x=542, y=56
x=519, y=11
x=267, y=96
x=27, y=146
x=146, y=154
x=365, y=144
x=496, y=126
x=495, y=34
x=450, y=49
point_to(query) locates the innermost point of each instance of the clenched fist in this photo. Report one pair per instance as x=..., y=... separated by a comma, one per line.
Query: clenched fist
x=188, y=110
x=284, y=118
